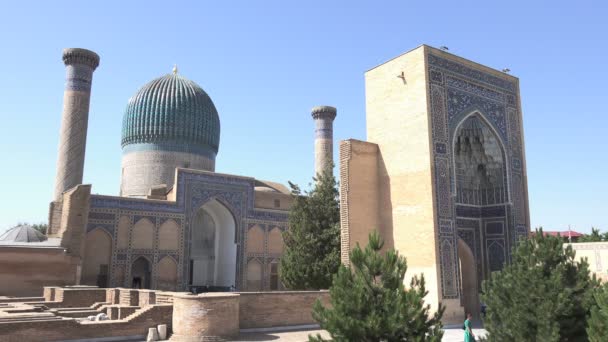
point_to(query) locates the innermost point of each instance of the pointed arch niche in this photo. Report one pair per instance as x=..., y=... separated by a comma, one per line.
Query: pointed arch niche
x=97, y=256
x=213, y=249
x=479, y=163
x=141, y=273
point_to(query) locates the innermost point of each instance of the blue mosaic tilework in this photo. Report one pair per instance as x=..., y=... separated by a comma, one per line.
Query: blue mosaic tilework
x=324, y=133
x=109, y=228
x=446, y=227
x=474, y=74
x=101, y=216
x=496, y=253
x=457, y=91
x=461, y=104
x=493, y=211
x=205, y=151
x=171, y=109
x=78, y=77
x=477, y=212
x=494, y=228
x=475, y=89
x=440, y=148
x=194, y=189
x=450, y=277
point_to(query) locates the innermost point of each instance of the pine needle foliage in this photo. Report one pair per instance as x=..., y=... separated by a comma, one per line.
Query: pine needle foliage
x=543, y=295
x=312, y=242
x=598, y=322
x=370, y=303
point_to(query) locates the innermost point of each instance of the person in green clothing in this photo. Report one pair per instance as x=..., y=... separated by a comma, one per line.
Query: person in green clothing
x=468, y=329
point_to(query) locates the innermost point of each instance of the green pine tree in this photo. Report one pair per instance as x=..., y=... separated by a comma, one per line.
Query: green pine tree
x=543, y=295
x=598, y=322
x=595, y=236
x=41, y=227
x=312, y=242
x=370, y=303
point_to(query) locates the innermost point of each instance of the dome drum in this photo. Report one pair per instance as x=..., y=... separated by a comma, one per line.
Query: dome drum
x=170, y=122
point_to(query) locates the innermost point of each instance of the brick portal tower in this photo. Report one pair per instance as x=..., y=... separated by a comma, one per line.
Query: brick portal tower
x=80, y=64
x=324, y=136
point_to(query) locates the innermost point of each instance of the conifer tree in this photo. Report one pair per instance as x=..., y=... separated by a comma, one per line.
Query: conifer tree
x=370, y=303
x=598, y=322
x=543, y=295
x=595, y=236
x=312, y=242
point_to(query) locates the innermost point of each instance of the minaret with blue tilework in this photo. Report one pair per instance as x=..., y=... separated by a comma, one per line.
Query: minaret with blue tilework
x=80, y=64
x=324, y=136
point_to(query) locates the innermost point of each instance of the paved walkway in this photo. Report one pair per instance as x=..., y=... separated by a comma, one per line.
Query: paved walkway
x=450, y=335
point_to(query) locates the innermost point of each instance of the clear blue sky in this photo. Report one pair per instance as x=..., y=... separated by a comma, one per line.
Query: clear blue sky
x=266, y=63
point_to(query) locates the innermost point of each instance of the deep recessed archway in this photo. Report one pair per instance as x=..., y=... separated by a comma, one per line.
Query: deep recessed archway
x=479, y=164
x=140, y=273
x=468, y=280
x=213, y=251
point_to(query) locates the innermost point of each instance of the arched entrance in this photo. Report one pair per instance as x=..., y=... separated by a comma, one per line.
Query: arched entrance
x=481, y=196
x=140, y=273
x=468, y=280
x=479, y=164
x=213, y=247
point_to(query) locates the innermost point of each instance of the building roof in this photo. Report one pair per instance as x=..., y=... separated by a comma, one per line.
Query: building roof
x=172, y=111
x=268, y=186
x=22, y=233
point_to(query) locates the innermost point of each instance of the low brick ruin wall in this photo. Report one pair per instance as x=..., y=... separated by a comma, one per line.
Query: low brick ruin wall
x=278, y=309
x=134, y=311
x=70, y=329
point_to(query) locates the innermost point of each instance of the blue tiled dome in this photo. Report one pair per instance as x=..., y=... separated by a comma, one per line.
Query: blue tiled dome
x=172, y=111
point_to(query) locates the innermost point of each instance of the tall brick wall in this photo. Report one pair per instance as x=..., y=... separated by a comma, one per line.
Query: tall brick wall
x=74, y=218
x=25, y=270
x=359, y=196
x=55, y=208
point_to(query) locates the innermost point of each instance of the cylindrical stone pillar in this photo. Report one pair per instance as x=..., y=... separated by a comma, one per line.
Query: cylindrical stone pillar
x=80, y=64
x=324, y=136
x=205, y=317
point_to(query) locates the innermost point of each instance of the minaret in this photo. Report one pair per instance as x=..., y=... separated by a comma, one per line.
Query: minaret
x=80, y=64
x=324, y=136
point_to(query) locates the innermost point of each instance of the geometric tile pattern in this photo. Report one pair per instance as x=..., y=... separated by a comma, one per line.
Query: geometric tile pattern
x=457, y=91
x=194, y=189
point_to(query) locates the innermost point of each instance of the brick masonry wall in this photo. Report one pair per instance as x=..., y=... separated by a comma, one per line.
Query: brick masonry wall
x=25, y=270
x=74, y=217
x=276, y=309
x=55, y=209
x=78, y=297
x=69, y=329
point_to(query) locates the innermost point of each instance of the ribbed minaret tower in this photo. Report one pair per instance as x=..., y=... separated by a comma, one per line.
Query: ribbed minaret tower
x=324, y=136
x=80, y=64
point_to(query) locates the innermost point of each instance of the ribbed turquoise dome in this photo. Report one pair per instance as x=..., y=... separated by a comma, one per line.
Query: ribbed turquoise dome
x=171, y=111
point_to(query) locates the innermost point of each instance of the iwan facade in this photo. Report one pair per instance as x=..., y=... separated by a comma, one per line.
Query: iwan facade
x=442, y=175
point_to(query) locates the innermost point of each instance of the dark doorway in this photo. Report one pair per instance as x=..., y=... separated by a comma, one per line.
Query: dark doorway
x=140, y=273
